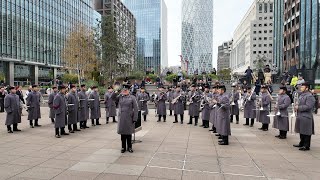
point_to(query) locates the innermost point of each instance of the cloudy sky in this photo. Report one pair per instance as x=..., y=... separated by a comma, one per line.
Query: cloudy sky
x=227, y=16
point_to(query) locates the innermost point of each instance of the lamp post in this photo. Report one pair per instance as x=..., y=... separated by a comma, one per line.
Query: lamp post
x=78, y=70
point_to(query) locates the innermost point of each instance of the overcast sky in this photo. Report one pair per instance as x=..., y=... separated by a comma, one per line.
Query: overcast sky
x=227, y=15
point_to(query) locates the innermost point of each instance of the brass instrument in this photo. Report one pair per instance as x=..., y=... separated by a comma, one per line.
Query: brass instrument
x=191, y=99
x=249, y=98
x=175, y=100
x=232, y=99
x=295, y=103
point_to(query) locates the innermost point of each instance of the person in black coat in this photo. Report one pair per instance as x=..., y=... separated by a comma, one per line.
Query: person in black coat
x=2, y=96
x=261, y=76
x=258, y=86
x=315, y=95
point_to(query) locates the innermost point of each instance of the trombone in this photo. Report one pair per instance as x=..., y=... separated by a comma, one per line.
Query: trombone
x=295, y=103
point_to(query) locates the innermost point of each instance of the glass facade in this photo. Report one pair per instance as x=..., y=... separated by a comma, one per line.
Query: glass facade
x=33, y=32
x=197, y=35
x=151, y=32
x=278, y=33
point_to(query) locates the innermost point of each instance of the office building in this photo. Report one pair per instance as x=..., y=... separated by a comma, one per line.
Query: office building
x=197, y=35
x=299, y=31
x=151, y=28
x=125, y=24
x=223, y=61
x=253, y=38
x=33, y=34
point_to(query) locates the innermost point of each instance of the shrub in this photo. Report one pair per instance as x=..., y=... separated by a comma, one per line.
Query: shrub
x=170, y=77
x=2, y=77
x=72, y=78
x=90, y=83
x=153, y=77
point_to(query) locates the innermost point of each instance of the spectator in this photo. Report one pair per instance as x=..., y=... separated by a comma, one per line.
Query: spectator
x=28, y=91
x=143, y=83
x=294, y=81
x=194, y=79
x=214, y=71
x=148, y=80
x=315, y=95
x=136, y=85
x=2, y=96
x=269, y=84
x=261, y=76
x=300, y=81
x=180, y=75
x=258, y=86
x=184, y=86
x=175, y=81
x=20, y=94
x=248, y=73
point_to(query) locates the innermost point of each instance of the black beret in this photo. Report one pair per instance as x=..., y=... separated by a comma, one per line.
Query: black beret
x=248, y=87
x=264, y=86
x=62, y=87
x=305, y=84
x=72, y=86
x=33, y=86
x=82, y=85
x=193, y=85
x=222, y=87
x=54, y=87
x=110, y=87
x=283, y=88
x=206, y=87
x=125, y=87
x=93, y=87
x=11, y=87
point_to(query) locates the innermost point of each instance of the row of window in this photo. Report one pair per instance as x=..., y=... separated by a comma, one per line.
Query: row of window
x=260, y=52
x=265, y=31
x=260, y=25
x=260, y=38
x=265, y=5
x=266, y=18
x=260, y=45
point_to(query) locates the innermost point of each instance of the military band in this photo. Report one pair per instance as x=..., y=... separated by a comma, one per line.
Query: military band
x=216, y=105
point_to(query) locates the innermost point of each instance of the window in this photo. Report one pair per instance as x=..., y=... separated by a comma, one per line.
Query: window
x=259, y=52
x=270, y=45
x=270, y=31
x=254, y=25
x=254, y=45
x=260, y=25
x=254, y=32
x=260, y=8
x=260, y=38
x=254, y=38
x=265, y=45
x=254, y=52
x=259, y=45
x=265, y=31
x=265, y=7
x=271, y=7
x=270, y=52
x=270, y=38
x=265, y=38
x=271, y=17
x=265, y=18
x=265, y=52
x=265, y=25
x=260, y=32
x=260, y=18
x=271, y=24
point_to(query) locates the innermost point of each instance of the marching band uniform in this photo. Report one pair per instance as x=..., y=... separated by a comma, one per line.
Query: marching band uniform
x=72, y=109
x=305, y=122
x=179, y=105
x=234, y=109
x=110, y=99
x=12, y=107
x=33, y=104
x=205, y=114
x=95, y=112
x=281, y=122
x=213, y=111
x=60, y=109
x=170, y=98
x=161, y=105
x=223, y=111
x=249, y=112
x=194, y=106
x=50, y=103
x=263, y=114
x=143, y=99
x=84, y=107
x=128, y=115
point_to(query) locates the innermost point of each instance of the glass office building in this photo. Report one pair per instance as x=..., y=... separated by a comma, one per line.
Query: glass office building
x=278, y=34
x=33, y=33
x=151, y=28
x=197, y=35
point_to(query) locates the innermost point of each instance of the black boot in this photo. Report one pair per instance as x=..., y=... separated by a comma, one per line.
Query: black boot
x=196, y=118
x=52, y=120
x=175, y=118
x=202, y=124
x=114, y=119
x=92, y=122
x=247, y=122
x=170, y=113
x=9, y=129
x=164, y=118
x=181, y=116
x=85, y=124
x=144, y=118
x=70, y=128
x=252, y=123
x=159, y=118
x=190, y=121
x=75, y=128
x=57, y=133
x=107, y=122
x=97, y=122
x=231, y=118
x=237, y=119
x=63, y=132
x=15, y=127
x=31, y=124
x=36, y=124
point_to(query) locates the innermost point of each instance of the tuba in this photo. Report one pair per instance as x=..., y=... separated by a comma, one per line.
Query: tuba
x=295, y=103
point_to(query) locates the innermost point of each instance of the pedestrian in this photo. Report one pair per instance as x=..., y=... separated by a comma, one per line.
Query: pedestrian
x=248, y=73
x=281, y=120
x=261, y=77
x=249, y=106
x=110, y=99
x=264, y=104
x=12, y=107
x=142, y=99
x=60, y=109
x=83, y=107
x=316, y=104
x=2, y=96
x=223, y=112
x=194, y=98
x=94, y=102
x=128, y=115
x=50, y=103
x=304, y=122
x=73, y=108
x=161, y=104
x=33, y=105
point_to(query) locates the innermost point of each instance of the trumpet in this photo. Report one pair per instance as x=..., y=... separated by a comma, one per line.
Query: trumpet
x=295, y=103
x=277, y=105
x=249, y=98
x=232, y=99
x=175, y=100
x=261, y=103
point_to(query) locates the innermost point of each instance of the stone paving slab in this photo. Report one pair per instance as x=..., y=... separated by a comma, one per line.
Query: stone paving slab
x=167, y=151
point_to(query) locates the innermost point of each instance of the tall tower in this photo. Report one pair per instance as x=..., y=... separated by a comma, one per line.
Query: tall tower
x=197, y=35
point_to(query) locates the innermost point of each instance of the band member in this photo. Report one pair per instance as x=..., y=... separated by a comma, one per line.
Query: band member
x=33, y=104
x=281, y=121
x=249, y=107
x=161, y=104
x=60, y=109
x=94, y=103
x=205, y=114
x=50, y=103
x=128, y=115
x=83, y=107
x=194, y=106
x=234, y=96
x=223, y=111
x=73, y=108
x=110, y=99
x=143, y=99
x=304, y=122
x=213, y=109
x=264, y=112
x=12, y=107
x=178, y=105
x=170, y=98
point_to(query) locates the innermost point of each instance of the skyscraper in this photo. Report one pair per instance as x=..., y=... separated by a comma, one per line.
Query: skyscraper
x=197, y=35
x=151, y=28
x=297, y=37
x=33, y=34
x=223, y=61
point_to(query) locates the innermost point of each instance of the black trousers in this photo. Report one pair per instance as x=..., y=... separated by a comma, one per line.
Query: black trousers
x=205, y=123
x=52, y=120
x=170, y=112
x=247, y=121
x=59, y=131
x=1, y=105
x=113, y=119
x=97, y=121
x=283, y=133
x=196, y=119
x=83, y=124
x=164, y=117
x=35, y=122
x=305, y=140
x=176, y=117
x=126, y=140
x=265, y=126
x=72, y=127
x=231, y=118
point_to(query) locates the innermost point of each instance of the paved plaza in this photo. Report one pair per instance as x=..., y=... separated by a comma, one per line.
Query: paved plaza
x=167, y=151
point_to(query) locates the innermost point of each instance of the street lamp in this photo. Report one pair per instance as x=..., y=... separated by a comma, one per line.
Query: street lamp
x=76, y=56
